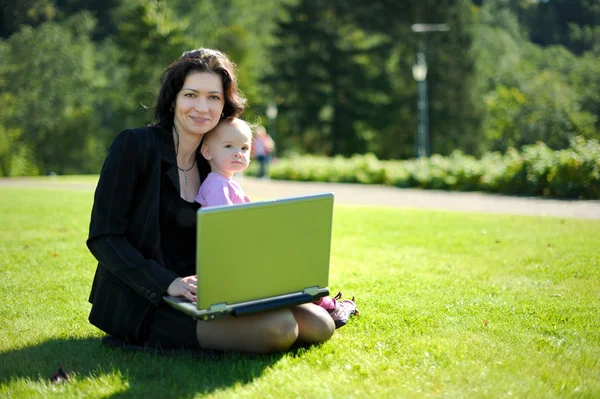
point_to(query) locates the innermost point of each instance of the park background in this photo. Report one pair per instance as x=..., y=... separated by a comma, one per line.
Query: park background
x=513, y=86
x=452, y=304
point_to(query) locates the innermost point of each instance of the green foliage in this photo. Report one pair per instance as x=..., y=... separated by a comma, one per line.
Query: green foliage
x=577, y=171
x=323, y=65
x=532, y=93
x=537, y=171
x=101, y=10
x=15, y=13
x=51, y=72
x=455, y=100
x=545, y=109
x=348, y=84
x=340, y=73
x=15, y=157
x=149, y=37
x=504, y=107
x=573, y=24
x=585, y=78
x=244, y=32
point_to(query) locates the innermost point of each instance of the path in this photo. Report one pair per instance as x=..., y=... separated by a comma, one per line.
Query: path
x=362, y=194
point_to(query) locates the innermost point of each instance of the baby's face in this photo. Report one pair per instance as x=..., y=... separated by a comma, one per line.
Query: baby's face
x=230, y=149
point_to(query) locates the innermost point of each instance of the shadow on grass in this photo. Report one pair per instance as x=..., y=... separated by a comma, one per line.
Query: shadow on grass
x=135, y=374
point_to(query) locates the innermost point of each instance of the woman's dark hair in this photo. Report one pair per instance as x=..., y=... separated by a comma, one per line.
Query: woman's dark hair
x=200, y=60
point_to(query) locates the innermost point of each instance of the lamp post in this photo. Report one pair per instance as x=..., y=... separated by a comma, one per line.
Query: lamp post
x=272, y=115
x=419, y=70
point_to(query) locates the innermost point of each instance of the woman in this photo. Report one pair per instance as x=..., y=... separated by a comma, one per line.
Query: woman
x=142, y=229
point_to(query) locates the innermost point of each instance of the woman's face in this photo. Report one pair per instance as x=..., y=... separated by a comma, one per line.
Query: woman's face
x=199, y=103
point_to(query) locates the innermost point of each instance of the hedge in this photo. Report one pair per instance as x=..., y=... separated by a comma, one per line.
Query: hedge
x=536, y=170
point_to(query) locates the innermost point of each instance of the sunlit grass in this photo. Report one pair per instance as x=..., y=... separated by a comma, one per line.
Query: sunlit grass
x=452, y=304
x=68, y=179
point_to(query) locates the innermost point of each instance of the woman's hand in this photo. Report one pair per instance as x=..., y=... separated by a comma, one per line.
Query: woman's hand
x=184, y=286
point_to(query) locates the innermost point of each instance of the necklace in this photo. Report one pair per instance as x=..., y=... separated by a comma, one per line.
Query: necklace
x=185, y=176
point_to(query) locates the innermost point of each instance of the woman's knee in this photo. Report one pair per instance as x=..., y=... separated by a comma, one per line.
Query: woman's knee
x=315, y=324
x=278, y=331
x=262, y=333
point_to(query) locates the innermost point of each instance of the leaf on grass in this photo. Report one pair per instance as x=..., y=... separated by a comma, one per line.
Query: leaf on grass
x=60, y=376
x=54, y=254
x=485, y=322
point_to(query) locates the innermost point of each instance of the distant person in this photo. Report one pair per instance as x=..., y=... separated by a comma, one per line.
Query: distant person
x=263, y=150
x=227, y=150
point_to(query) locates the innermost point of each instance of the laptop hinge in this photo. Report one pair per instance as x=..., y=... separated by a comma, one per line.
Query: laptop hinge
x=312, y=290
x=219, y=307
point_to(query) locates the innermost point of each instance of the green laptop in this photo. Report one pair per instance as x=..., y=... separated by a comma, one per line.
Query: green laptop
x=261, y=256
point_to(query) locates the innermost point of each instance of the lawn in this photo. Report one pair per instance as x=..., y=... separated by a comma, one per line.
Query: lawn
x=452, y=305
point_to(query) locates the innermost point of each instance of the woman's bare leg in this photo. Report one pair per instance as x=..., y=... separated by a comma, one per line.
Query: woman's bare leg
x=267, y=332
x=315, y=325
x=262, y=333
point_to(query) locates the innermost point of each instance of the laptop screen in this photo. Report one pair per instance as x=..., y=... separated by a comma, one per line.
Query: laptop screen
x=263, y=249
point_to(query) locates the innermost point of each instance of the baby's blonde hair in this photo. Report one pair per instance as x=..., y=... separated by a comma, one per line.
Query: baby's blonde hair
x=238, y=123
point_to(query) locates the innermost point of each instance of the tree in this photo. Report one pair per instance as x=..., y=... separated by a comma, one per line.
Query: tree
x=344, y=71
x=101, y=10
x=151, y=34
x=149, y=38
x=323, y=76
x=585, y=78
x=50, y=70
x=534, y=93
x=455, y=97
x=573, y=24
x=244, y=31
x=14, y=13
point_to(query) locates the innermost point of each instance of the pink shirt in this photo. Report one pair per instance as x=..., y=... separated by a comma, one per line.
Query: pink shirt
x=219, y=190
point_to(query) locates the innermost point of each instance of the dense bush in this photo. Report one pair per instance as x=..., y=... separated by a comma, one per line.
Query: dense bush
x=537, y=170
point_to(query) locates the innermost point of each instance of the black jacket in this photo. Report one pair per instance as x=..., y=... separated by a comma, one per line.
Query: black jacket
x=131, y=277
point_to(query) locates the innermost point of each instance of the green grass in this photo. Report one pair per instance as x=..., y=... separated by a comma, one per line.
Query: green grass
x=66, y=179
x=452, y=304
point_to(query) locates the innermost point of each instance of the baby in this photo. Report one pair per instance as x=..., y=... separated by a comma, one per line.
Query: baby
x=227, y=150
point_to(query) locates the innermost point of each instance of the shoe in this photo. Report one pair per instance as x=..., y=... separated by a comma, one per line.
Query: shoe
x=343, y=310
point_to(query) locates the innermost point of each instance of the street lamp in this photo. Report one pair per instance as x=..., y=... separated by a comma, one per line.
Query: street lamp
x=272, y=115
x=419, y=70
